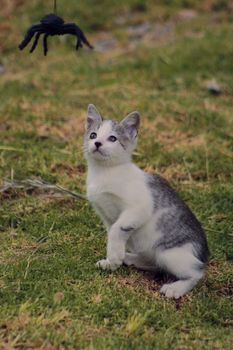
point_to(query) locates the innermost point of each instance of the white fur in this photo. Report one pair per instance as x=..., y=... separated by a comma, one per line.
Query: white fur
x=181, y=263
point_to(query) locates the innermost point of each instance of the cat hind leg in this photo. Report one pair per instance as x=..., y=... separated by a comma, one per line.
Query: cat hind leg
x=184, y=265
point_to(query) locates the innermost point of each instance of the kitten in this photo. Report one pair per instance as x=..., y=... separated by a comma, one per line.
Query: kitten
x=148, y=224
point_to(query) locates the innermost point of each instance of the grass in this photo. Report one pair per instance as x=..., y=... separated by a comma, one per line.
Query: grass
x=52, y=296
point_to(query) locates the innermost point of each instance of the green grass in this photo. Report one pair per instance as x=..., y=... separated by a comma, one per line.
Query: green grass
x=51, y=293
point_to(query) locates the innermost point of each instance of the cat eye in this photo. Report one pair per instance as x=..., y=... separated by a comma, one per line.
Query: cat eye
x=112, y=138
x=93, y=135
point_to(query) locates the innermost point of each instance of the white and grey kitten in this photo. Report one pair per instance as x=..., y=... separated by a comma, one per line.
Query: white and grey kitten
x=148, y=224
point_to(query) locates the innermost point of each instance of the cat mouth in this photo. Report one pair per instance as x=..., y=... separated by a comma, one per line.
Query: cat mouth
x=98, y=151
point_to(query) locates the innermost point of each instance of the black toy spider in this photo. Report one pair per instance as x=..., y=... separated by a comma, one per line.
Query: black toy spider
x=53, y=25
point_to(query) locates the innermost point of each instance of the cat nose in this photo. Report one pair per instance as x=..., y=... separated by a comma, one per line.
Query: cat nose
x=98, y=144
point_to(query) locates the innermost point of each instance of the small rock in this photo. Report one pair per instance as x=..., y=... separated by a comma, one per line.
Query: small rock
x=187, y=14
x=106, y=44
x=213, y=87
x=4, y=126
x=121, y=20
x=163, y=29
x=139, y=30
x=2, y=69
x=230, y=6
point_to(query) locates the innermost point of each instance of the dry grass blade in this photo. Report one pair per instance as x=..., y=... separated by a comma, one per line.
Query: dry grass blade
x=32, y=184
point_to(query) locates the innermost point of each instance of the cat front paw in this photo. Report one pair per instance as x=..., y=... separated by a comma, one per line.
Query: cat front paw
x=176, y=289
x=105, y=264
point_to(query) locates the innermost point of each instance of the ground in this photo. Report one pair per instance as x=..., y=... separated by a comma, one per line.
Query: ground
x=158, y=57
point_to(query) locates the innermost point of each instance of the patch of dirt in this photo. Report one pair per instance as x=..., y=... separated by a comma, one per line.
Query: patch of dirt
x=25, y=318
x=9, y=344
x=65, y=127
x=91, y=332
x=228, y=323
x=216, y=271
x=8, y=7
x=24, y=246
x=226, y=291
x=174, y=172
x=187, y=14
x=179, y=173
x=148, y=281
x=37, y=108
x=105, y=42
x=171, y=139
x=150, y=34
x=68, y=169
x=4, y=126
x=12, y=194
x=139, y=30
x=70, y=128
x=159, y=122
x=2, y=69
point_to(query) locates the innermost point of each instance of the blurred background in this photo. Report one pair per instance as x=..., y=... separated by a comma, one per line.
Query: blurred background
x=173, y=62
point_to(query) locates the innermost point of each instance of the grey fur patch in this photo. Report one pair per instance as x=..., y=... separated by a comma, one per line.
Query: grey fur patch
x=93, y=117
x=131, y=124
x=178, y=224
x=121, y=133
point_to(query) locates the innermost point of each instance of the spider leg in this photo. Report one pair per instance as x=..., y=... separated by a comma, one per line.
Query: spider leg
x=79, y=43
x=80, y=34
x=28, y=36
x=45, y=44
x=71, y=28
x=34, y=45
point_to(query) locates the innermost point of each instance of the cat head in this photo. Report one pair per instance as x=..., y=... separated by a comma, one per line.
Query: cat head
x=107, y=141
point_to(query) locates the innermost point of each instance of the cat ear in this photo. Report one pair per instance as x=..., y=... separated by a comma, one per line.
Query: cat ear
x=131, y=124
x=93, y=117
